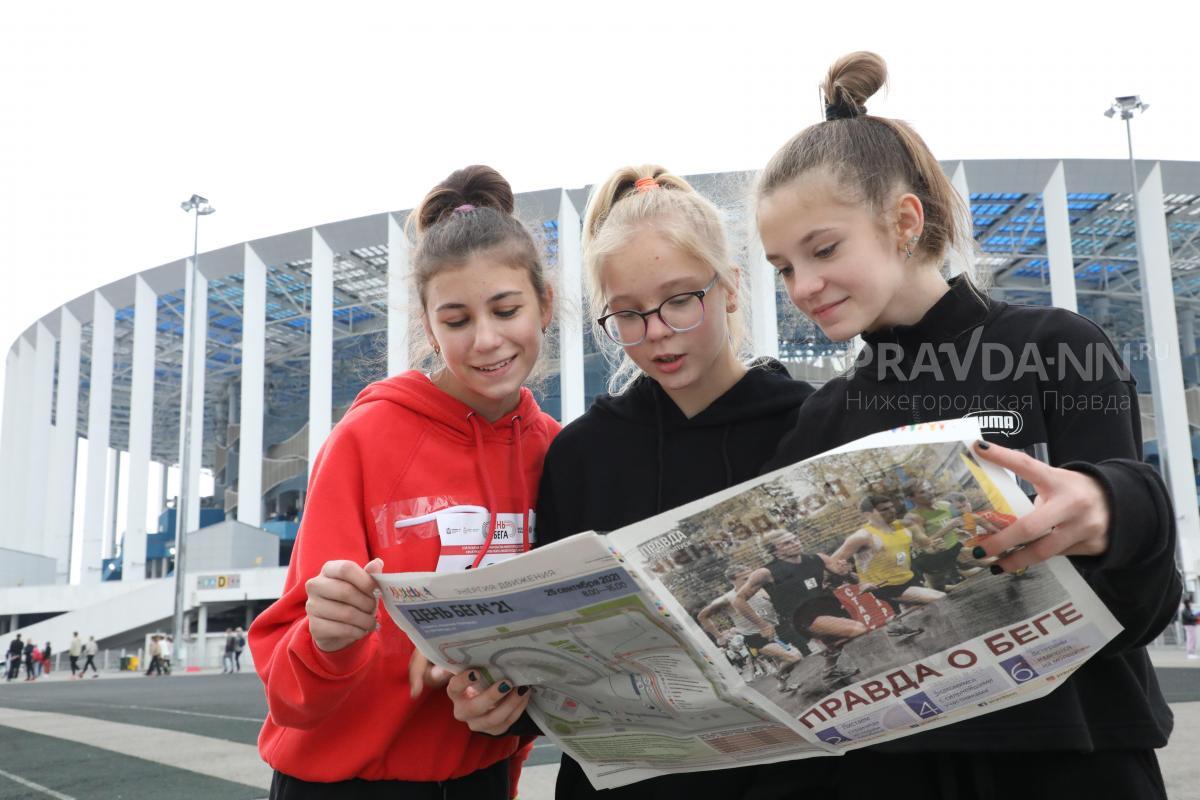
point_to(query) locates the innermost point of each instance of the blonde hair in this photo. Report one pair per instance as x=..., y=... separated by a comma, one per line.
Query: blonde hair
x=618, y=209
x=872, y=158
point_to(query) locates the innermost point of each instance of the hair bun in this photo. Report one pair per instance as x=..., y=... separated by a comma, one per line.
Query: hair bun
x=851, y=80
x=478, y=185
x=624, y=183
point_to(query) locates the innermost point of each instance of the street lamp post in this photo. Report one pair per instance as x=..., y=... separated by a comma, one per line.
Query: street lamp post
x=1124, y=107
x=201, y=208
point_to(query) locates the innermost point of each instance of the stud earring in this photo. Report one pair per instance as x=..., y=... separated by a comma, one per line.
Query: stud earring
x=437, y=351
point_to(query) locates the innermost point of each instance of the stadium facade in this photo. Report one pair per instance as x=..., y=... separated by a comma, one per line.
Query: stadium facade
x=294, y=325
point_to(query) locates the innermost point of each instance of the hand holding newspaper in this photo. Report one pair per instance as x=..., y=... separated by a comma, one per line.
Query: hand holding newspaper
x=826, y=606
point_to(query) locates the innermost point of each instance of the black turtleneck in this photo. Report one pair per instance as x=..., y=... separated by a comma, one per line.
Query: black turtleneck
x=1056, y=388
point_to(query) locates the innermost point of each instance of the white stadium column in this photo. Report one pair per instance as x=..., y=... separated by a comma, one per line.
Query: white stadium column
x=23, y=539
x=398, y=299
x=9, y=429
x=141, y=416
x=250, y=428
x=764, y=310
x=199, y=363
x=570, y=324
x=320, y=387
x=111, y=545
x=1058, y=240
x=60, y=496
x=960, y=260
x=196, y=356
x=1166, y=374
x=39, y=439
x=88, y=552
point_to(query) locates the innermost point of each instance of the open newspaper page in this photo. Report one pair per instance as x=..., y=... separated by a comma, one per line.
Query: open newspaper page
x=618, y=683
x=828, y=605
x=843, y=591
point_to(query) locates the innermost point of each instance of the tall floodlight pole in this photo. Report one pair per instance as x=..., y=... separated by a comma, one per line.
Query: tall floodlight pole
x=201, y=207
x=1124, y=107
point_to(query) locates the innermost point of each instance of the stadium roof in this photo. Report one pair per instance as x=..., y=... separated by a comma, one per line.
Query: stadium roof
x=1009, y=228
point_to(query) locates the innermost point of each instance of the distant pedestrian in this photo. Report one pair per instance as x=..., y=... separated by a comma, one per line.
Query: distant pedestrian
x=29, y=646
x=38, y=662
x=89, y=650
x=46, y=656
x=239, y=644
x=75, y=651
x=167, y=645
x=155, y=657
x=15, y=651
x=1188, y=618
x=230, y=649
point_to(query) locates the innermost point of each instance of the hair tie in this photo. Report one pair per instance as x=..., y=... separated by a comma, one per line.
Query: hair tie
x=464, y=208
x=646, y=184
x=843, y=111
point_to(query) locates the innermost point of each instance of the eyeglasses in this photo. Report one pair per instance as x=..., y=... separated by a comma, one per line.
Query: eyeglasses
x=680, y=312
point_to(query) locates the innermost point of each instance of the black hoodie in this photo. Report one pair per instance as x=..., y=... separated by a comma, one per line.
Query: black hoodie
x=1066, y=398
x=634, y=455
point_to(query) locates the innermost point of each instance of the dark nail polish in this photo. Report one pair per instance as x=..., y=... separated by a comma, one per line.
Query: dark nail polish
x=522, y=690
x=472, y=677
x=983, y=445
x=504, y=687
x=997, y=569
x=979, y=552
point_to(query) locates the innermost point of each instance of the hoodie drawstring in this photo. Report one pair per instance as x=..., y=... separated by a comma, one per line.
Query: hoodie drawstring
x=489, y=497
x=524, y=486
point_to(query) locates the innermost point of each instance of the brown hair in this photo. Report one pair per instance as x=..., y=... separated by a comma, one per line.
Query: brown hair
x=469, y=213
x=872, y=158
x=617, y=210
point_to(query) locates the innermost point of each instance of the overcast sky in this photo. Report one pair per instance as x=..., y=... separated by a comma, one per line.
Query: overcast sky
x=287, y=115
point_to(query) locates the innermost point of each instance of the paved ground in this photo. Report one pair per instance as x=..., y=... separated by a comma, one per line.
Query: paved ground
x=192, y=737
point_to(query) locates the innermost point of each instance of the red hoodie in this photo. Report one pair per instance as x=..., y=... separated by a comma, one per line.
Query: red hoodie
x=404, y=451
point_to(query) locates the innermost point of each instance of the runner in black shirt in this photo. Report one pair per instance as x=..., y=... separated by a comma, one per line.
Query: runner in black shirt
x=798, y=585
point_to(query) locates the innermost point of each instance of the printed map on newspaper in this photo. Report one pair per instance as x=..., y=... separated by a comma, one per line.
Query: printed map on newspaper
x=826, y=606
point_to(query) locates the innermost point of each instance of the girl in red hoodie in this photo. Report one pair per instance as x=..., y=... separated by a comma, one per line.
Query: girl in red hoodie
x=410, y=480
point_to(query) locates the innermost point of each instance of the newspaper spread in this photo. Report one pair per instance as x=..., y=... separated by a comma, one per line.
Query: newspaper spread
x=823, y=607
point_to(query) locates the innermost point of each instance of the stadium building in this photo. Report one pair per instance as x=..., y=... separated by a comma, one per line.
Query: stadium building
x=293, y=326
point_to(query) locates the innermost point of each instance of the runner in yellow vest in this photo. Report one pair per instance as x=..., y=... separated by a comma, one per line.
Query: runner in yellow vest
x=882, y=554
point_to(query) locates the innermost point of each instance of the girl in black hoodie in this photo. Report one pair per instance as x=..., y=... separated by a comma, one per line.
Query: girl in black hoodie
x=857, y=217
x=687, y=419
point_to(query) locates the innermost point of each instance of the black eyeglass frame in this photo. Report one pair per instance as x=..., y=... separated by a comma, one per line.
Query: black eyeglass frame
x=645, y=315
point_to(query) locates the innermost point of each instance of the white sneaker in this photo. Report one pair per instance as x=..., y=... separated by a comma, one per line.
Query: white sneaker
x=1192, y=656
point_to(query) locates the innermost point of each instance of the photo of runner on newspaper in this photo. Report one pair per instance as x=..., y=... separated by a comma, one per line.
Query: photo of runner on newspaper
x=849, y=567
